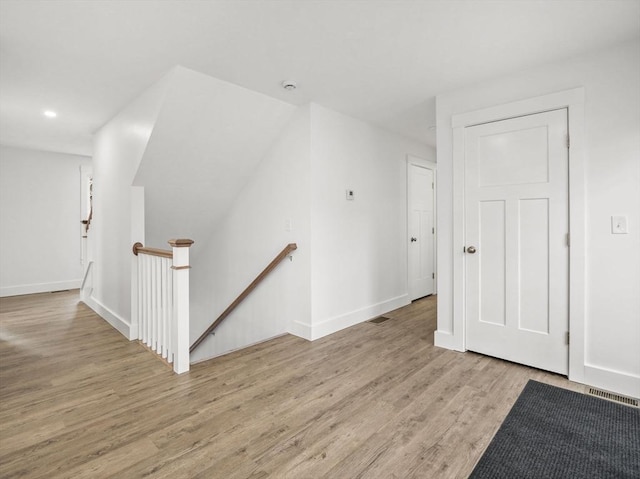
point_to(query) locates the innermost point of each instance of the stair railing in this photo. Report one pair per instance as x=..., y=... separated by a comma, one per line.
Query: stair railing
x=86, y=287
x=282, y=255
x=161, y=312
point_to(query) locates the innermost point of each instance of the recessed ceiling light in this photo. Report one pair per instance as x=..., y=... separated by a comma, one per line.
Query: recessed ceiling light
x=50, y=114
x=289, y=85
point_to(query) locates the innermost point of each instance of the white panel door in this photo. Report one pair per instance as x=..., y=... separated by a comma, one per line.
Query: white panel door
x=516, y=231
x=421, y=232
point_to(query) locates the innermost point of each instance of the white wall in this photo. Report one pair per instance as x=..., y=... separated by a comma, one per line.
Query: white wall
x=40, y=230
x=246, y=239
x=118, y=149
x=359, y=247
x=207, y=140
x=170, y=165
x=351, y=262
x=611, y=79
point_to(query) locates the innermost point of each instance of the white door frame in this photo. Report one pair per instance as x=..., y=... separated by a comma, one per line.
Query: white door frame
x=86, y=175
x=573, y=100
x=430, y=165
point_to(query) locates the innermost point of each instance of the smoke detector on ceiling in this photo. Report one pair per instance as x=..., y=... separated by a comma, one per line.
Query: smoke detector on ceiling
x=289, y=85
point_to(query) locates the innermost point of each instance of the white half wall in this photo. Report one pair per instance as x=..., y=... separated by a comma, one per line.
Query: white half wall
x=118, y=149
x=40, y=214
x=611, y=80
x=359, y=246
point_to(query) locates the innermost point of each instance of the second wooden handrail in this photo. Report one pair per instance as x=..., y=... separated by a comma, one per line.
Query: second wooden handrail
x=283, y=254
x=163, y=253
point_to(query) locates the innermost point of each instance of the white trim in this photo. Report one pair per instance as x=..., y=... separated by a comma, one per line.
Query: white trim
x=457, y=275
x=578, y=231
x=446, y=340
x=119, y=323
x=208, y=358
x=335, y=324
x=530, y=106
x=39, y=288
x=430, y=165
x=301, y=330
x=573, y=100
x=616, y=381
x=416, y=160
x=137, y=235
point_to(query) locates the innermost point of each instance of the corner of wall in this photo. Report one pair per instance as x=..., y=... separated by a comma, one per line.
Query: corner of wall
x=337, y=323
x=119, y=323
x=359, y=257
x=270, y=211
x=605, y=351
x=119, y=147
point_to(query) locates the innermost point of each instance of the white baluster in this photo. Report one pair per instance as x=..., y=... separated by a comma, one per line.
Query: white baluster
x=163, y=315
x=170, y=315
x=147, y=294
x=140, y=299
x=145, y=298
x=155, y=290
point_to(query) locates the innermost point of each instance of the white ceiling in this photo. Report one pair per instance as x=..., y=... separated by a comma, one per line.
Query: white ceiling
x=380, y=61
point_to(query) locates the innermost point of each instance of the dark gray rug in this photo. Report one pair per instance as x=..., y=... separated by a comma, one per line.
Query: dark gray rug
x=555, y=433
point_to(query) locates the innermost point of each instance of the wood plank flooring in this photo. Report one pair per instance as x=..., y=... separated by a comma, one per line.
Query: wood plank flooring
x=77, y=400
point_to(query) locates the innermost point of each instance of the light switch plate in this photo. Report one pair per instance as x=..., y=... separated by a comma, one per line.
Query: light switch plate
x=350, y=195
x=618, y=225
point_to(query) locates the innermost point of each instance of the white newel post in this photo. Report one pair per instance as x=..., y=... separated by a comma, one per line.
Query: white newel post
x=181, y=304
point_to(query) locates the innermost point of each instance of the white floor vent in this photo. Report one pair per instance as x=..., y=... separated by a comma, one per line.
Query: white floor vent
x=614, y=397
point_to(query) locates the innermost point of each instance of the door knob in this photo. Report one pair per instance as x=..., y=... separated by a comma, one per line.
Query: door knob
x=414, y=239
x=471, y=249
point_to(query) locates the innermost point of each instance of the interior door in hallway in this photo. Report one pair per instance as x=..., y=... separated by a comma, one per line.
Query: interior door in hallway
x=421, y=231
x=516, y=231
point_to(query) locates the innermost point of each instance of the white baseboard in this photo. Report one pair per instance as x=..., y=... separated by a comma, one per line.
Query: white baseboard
x=447, y=340
x=39, y=288
x=223, y=353
x=614, y=381
x=335, y=324
x=443, y=339
x=301, y=330
x=109, y=316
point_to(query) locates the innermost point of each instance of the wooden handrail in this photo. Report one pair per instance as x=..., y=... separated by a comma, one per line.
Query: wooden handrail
x=163, y=253
x=283, y=254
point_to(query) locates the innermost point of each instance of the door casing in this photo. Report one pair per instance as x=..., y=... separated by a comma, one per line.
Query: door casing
x=573, y=100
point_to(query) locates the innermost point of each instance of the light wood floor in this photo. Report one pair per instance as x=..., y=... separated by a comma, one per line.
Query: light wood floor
x=374, y=401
